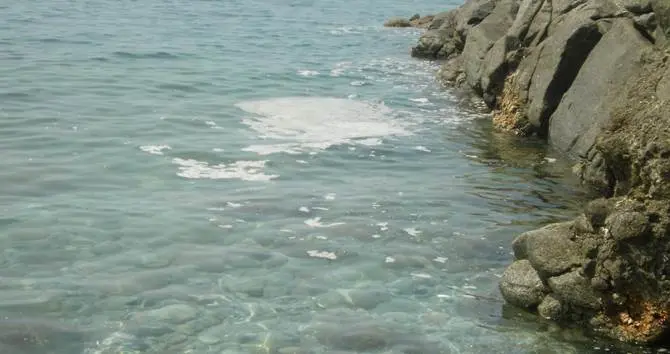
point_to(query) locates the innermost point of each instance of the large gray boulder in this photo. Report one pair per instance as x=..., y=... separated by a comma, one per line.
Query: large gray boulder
x=521, y=285
x=575, y=289
x=586, y=107
x=550, y=249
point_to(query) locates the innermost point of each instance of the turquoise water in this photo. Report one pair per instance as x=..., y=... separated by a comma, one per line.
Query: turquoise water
x=254, y=177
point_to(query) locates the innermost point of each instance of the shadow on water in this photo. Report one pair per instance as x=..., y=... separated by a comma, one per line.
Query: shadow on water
x=535, y=180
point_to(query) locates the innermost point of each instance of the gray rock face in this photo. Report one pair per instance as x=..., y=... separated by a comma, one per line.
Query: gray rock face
x=481, y=38
x=472, y=13
x=575, y=289
x=522, y=286
x=549, y=249
x=559, y=59
x=441, y=43
x=446, y=33
x=613, y=61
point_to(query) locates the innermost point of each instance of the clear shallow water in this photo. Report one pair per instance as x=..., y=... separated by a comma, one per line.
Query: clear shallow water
x=254, y=177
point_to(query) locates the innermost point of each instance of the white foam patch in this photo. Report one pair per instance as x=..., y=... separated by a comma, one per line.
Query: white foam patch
x=330, y=196
x=340, y=68
x=304, y=209
x=155, y=149
x=322, y=254
x=316, y=222
x=310, y=124
x=308, y=73
x=412, y=231
x=422, y=148
x=419, y=100
x=243, y=170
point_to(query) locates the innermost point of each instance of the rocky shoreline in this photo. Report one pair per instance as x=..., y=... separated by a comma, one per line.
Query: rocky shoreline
x=592, y=77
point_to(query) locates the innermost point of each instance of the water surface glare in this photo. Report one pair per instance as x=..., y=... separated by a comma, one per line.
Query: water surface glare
x=254, y=177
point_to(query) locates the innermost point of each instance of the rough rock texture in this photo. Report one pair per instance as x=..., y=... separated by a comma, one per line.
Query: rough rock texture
x=593, y=78
x=602, y=77
x=414, y=21
x=522, y=286
x=397, y=22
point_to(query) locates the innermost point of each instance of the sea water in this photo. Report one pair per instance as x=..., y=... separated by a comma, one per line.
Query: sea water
x=255, y=177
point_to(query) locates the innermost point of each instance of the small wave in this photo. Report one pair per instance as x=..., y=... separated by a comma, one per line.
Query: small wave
x=422, y=148
x=243, y=170
x=155, y=149
x=308, y=73
x=316, y=222
x=154, y=55
x=340, y=68
x=422, y=101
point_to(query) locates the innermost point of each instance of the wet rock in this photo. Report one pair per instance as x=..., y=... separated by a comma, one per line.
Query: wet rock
x=550, y=249
x=172, y=314
x=397, y=22
x=550, y=308
x=521, y=285
x=627, y=225
x=573, y=288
